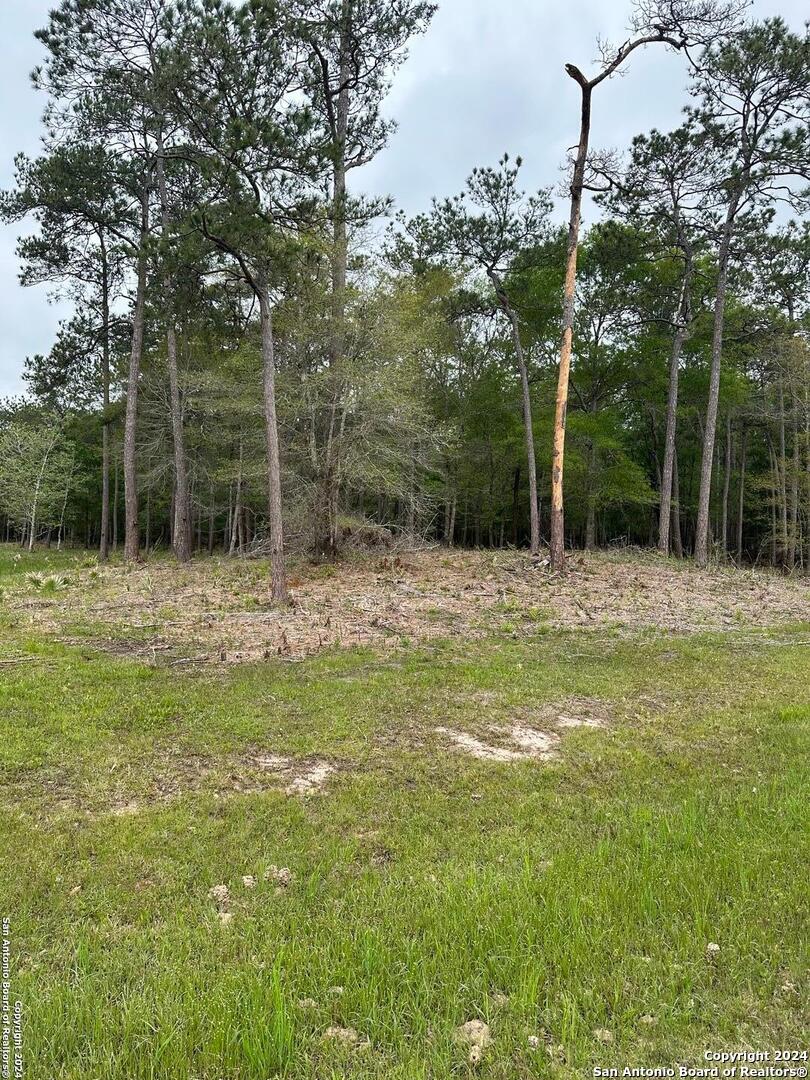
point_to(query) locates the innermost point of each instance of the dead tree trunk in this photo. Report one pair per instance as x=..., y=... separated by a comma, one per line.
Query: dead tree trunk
x=660, y=34
x=569, y=288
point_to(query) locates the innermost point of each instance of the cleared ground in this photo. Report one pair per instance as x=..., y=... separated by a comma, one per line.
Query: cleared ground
x=218, y=609
x=224, y=870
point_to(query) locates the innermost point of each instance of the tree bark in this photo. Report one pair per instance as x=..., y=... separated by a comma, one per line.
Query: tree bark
x=181, y=532
x=528, y=427
x=794, y=502
x=104, y=541
x=726, y=484
x=131, y=527
x=741, y=498
x=115, y=510
x=211, y=517
x=278, y=575
x=677, y=541
x=569, y=288
x=710, y=429
x=337, y=108
x=782, y=473
x=684, y=317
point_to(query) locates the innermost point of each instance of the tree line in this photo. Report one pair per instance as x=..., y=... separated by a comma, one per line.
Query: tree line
x=250, y=367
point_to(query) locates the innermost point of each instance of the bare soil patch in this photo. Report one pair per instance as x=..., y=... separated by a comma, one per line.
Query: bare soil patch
x=524, y=741
x=219, y=610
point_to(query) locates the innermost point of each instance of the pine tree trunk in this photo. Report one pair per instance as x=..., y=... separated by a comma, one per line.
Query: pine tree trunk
x=104, y=541
x=590, y=526
x=709, y=431
x=236, y=511
x=726, y=483
x=515, y=505
x=528, y=427
x=681, y=334
x=181, y=533
x=115, y=511
x=741, y=499
x=794, y=502
x=677, y=540
x=783, y=500
x=278, y=575
x=181, y=526
x=132, y=540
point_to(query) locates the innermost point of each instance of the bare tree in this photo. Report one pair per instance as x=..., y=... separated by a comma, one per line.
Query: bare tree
x=677, y=24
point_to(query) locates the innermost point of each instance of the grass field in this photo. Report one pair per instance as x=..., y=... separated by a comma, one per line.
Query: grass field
x=569, y=904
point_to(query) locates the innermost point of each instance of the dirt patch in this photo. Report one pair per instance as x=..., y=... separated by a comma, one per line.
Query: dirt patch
x=219, y=611
x=299, y=778
x=522, y=741
x=514, y=744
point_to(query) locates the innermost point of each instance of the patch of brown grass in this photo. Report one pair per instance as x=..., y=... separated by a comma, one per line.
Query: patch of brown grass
x=219, y=610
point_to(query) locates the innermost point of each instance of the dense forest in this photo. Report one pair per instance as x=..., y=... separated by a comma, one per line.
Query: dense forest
x=262, y=360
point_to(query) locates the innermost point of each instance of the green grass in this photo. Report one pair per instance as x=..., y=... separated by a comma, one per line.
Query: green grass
x=426, y=884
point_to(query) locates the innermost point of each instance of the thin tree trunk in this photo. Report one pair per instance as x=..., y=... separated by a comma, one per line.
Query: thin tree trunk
x=704, y=498
x=590, y=526
x=684, y=317
x=236, y=511
x=211, y=517
x=726, y=483
x=528, y=428
x=181, y=531
x=278, y=575
x=783, y=500
x=64, y=511
x=338, y=111
x=131, y=529
x=115, y=511
x=774, y=498
x=104, y=542
x=515, y=505
x=569, y=288
x=741, y=498
x=677, y=540
x=794, y=502
x=35, y=501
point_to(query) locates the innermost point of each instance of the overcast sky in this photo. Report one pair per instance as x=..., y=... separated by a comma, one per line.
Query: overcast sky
x=487, y=77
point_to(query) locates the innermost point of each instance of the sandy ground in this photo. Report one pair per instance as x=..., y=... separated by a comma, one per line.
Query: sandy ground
x=218, y=610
